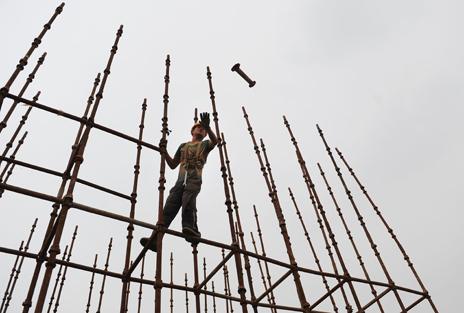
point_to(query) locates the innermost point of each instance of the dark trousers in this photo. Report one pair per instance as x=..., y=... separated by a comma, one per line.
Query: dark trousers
x=184, y=196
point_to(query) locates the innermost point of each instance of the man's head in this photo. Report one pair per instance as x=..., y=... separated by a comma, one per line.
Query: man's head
x=198, y=132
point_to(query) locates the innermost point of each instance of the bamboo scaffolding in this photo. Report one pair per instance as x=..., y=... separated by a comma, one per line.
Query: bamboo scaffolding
x=389, y=229
x=171, y=291
x=107, y=263
x=8, y=170
x=319, y=211
x=263, y=278
x=361, y=221
x=29, y=80
x=238, y=223
x=22, y=122
x=214, y=297
x=186, y=295
x=313, y=250
x=210, y=293
x=140, y=293
x=205, y=287
x=58, y=276
x=278, y=210
x=350, y=236
x=133, y=200
x=263, y=253
x=161, y=188
x=78, y=160
x=9, y=292
x=56, y=205
x=63, y=278
x=13, y=271
x=75, y=118
x=235, y=245
x=196, y=278
x=23, y=61
x=92, y=280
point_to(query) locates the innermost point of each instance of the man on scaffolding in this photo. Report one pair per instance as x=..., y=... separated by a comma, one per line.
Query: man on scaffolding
x=192, y=157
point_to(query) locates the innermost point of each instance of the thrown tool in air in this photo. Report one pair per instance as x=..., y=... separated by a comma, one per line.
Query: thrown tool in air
x=236, y=68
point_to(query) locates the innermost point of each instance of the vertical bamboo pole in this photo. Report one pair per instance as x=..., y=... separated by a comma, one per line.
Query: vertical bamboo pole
x=89, y=298
x=68, y=198
x=238, y=223
x=214, y=297
x=171, y=298
x=9, y=293
x=161, y=188
x=389, y=229
x=139, y=303
x=318, y=208
x=29, y=80
x=195, y=116
x=278, y=210
x=23, y=61
x=196, y=278
x=313, y=250
x=361, y=221
x=350, y=237
x=238, y=261
x=63, y=278
x=126, y=298
x=55, y=207
x=224, y=272
x=263, y=253
x=206, y=288
x=107, y=263
x=186, y=295
x=130, y=227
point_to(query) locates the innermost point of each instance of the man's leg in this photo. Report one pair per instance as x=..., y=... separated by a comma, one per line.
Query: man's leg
x=170, y=210
x=189, y=213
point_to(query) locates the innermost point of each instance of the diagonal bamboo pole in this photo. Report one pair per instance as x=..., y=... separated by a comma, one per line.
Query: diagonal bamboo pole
x=58, y=276
x=63, y=278
x=68, y=197
x=361, y=220
x=263, y=253
x=263, y=278
x=319, y=211
x=350, y=237
x=8, y=170
x=389, y=229
x=313, y=250
x=235, y=245
x=107, y=263
x=29, y=80
x=278, y=210
x=9, y=293
x=23, y=61
x=13, y=271
x=48, y=233
x=133, y=200
x=238, y=223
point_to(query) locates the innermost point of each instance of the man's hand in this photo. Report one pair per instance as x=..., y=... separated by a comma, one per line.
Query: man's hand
x=204, y=120
x=162, y=148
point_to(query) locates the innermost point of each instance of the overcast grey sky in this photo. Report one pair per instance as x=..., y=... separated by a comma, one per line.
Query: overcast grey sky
x=382, y=78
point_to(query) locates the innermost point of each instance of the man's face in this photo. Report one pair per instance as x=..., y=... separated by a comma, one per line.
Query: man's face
x=199, y=132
